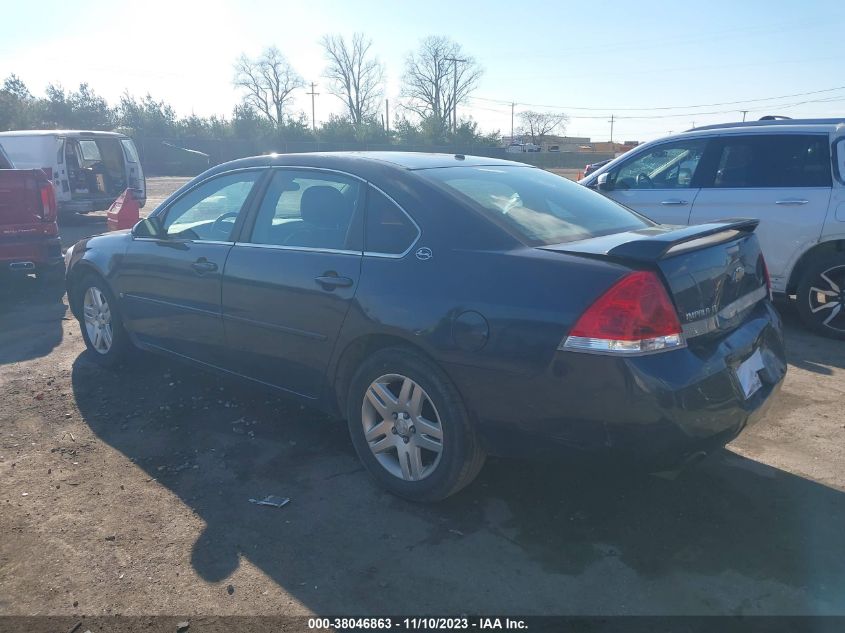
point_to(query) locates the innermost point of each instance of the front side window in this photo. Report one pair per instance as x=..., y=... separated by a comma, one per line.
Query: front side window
x=208, y=212
x=537, y=207
x=669, y=166
x=307, y=209
x=787, y=160
x=388, y=230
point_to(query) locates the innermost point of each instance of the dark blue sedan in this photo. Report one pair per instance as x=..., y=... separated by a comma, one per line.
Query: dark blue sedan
x=448, y=307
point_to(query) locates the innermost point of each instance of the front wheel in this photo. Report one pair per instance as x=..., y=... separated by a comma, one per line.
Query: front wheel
x=821, y=296
x=410, y=428
x=102, y=328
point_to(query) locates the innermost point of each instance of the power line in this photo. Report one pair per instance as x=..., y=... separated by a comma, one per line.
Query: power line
x=686, y=114
x=702, y=105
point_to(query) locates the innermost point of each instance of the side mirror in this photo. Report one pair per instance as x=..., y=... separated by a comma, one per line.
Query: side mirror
x=603, y=182
x=148, y=227
x=840, y=158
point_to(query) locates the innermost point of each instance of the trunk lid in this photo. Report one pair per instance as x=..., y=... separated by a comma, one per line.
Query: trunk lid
x=20, y=197
x=715, y=272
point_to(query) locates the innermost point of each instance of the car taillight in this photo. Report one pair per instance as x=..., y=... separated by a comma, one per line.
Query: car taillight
x=634, y=316
x=48, y=201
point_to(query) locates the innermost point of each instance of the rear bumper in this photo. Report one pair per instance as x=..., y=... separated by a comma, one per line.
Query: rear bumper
x=86, y=205
x=27, y=255
x=657, y=408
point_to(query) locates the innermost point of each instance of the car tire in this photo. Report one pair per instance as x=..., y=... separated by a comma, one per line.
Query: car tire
x=821, y=285
x=422, y=415
x=99, y=319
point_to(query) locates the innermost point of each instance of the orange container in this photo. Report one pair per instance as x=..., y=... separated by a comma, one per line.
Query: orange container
x=124, y=212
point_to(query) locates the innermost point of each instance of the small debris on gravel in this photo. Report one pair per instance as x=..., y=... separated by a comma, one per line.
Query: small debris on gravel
x=230, y=589
x=182, y=626
x=271, y=500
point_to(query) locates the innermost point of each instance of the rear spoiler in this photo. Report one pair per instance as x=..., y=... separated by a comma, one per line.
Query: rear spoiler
x=655, y=243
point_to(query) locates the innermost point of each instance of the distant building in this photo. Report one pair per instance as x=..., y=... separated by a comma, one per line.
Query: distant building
x=606, y=147
x=552, y=143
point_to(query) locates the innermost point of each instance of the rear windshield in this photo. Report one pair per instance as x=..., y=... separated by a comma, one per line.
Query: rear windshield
x=537, y=206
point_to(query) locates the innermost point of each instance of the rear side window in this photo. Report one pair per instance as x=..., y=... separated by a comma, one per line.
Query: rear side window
x=388, y=231
x=304, y=209
x=129, y=150
x=788, y=160
x=537, y=207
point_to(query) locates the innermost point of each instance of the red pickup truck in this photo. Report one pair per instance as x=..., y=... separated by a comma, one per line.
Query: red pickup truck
x=29, y=235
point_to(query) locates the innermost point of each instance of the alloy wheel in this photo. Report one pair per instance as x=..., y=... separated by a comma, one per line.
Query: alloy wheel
x=97, y=315
x=827, y=298
x=402, y=427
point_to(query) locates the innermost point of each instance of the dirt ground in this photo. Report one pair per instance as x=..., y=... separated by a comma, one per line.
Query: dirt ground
x=128, y=492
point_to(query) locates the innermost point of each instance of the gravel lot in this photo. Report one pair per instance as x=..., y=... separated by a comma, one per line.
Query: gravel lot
x=127, y=492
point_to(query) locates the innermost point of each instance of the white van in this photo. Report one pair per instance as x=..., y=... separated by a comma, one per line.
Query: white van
x=88, y=169
x=790, y=174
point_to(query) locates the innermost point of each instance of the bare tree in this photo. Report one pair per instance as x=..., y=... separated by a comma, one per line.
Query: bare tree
x=356, y=76
x=268, y=82
x=538, y=125
x=429, y=81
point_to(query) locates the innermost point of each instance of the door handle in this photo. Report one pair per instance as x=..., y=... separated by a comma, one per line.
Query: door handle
x=330, y=281
x=202, y=266
x=792, y=202
x=673, y=203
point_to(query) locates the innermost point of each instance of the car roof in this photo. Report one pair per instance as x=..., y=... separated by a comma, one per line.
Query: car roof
x=408, y=161
x=786, y=126
x=62, y=133
x=775, y=123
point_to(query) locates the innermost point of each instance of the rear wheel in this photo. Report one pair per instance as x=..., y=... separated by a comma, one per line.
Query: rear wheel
x=410, y=428
x=821, y=296
x=102, y=328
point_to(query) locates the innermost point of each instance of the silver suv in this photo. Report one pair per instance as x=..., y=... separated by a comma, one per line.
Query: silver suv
x=790, y=174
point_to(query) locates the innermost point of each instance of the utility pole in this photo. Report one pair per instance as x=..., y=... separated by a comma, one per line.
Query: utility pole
x=313, y=117
x=455, y=61
x=387, y=115
x=612, y=119
x=513, y=105
x=744, y=112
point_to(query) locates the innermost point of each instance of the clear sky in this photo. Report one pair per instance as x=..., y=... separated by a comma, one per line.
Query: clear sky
x=605, y=57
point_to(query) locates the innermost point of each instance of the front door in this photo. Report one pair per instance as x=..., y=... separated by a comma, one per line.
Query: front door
x=170, y=285
x=288, y=284
x=661, y=182
x=783, y=180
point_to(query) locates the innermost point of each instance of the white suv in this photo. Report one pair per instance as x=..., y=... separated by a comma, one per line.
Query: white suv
x=790, y=174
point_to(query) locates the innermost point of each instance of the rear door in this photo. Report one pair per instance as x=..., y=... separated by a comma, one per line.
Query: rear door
x=784, y=180
x=170, y=285
x=134, y=173
x=289, y=282
x=661, y=182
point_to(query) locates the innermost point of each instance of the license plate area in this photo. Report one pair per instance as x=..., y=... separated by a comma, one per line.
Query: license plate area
x=748, y=374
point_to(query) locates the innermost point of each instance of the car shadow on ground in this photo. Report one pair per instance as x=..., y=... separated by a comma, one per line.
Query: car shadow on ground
x=807, y=350
x=31, y=315
x=74, y=227
x=525, y=537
